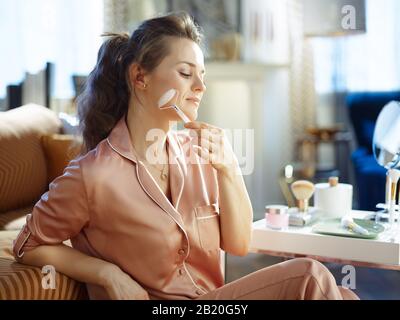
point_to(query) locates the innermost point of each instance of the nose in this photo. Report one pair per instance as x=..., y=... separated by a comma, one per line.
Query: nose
x=198, y=85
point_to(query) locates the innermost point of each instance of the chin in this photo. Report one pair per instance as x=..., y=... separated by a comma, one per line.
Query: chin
x=192, y=115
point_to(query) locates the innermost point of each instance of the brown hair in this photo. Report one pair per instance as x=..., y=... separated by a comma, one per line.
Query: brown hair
x=105, y=98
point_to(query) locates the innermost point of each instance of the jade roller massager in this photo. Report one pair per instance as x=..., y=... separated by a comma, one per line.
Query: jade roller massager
x=166, y=103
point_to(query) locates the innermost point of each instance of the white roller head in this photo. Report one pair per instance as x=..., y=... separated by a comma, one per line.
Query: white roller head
x=165, y=98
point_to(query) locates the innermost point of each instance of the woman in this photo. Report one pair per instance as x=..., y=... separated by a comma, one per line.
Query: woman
x=154, y=229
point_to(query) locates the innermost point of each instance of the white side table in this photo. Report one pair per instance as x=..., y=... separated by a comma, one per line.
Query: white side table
x=302, y=242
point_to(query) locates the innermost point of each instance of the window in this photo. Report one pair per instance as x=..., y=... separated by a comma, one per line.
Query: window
x=368, y=62
x=65, y=32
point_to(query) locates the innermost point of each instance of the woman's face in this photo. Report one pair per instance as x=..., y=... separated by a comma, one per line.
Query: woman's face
x=182, y=70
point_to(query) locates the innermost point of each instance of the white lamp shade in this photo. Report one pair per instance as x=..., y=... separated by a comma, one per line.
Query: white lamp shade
x=324, y=18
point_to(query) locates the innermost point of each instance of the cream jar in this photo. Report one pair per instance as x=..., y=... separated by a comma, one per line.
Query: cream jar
x=277, y=217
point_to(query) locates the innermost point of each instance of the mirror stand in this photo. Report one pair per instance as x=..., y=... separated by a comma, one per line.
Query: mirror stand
x=390, y=210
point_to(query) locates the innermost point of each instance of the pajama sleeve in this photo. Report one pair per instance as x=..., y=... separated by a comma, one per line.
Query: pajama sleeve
x=59, y=215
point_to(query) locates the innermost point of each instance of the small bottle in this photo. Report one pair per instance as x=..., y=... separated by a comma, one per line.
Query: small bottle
x=277, y=217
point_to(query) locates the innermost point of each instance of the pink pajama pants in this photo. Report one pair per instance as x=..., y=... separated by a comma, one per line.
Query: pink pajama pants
x=295, y=279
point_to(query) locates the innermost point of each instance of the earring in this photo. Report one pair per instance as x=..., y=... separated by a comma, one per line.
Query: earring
x=145, y=86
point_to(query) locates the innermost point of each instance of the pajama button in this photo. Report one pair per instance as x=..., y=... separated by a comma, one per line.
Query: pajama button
x=181, y=272
x=181, y=252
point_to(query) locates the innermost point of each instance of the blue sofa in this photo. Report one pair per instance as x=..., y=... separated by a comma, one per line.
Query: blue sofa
x=364, y=109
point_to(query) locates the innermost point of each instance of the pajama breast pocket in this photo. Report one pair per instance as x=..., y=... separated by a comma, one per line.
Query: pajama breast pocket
x=207, y=221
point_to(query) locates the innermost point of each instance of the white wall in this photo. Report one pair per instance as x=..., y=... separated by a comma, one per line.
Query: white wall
x=251, y=96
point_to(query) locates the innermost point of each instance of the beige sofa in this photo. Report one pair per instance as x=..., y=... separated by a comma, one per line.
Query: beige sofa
x=33, y=151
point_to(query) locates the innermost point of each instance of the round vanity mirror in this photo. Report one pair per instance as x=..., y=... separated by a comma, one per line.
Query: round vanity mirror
x=386, y=142
x=386, y=147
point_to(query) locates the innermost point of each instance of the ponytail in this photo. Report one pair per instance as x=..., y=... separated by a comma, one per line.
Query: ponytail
x=105, y=98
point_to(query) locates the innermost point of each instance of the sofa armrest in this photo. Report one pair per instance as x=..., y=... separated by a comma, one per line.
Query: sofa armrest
x=23, y=282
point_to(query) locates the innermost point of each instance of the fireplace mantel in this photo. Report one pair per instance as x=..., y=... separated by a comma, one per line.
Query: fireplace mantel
x=222, y=70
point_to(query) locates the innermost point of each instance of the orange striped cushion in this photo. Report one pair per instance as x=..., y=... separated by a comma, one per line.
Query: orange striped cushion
x=18, y=281
x=14, y=219
x=23, y=173
x=22, y=282
x=59, y=150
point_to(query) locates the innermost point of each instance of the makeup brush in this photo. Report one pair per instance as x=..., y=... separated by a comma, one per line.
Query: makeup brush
x=166, y=102
x=303, y=191
x=348, y=222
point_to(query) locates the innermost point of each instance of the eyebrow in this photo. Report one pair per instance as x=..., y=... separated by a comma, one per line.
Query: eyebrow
x=192, y=65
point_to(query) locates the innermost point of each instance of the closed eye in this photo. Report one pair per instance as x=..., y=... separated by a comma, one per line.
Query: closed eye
x=185, y=75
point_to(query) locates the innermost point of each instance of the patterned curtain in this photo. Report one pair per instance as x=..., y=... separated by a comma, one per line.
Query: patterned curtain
x=115, y=15
x=302, y=85
x=126, y=15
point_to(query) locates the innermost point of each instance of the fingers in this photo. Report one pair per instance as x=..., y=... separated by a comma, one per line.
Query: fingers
x=200, y=125
x=205, y=154
x=210, y=145
x=210, y=138
x=205, y=131
x=195, y=125
x=210, y=151
x=208, y=141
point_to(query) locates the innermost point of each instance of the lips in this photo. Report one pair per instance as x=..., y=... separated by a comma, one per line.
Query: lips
x=194, y=100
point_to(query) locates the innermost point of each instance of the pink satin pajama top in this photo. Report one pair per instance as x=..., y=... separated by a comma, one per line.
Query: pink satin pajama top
x=111, y=208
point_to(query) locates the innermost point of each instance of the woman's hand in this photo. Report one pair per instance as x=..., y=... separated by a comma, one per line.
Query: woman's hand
x=213, y=146
x=236, y=212
x=120, y=286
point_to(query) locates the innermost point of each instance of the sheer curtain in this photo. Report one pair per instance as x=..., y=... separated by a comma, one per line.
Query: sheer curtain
x=65, y=32
x=368, y=62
